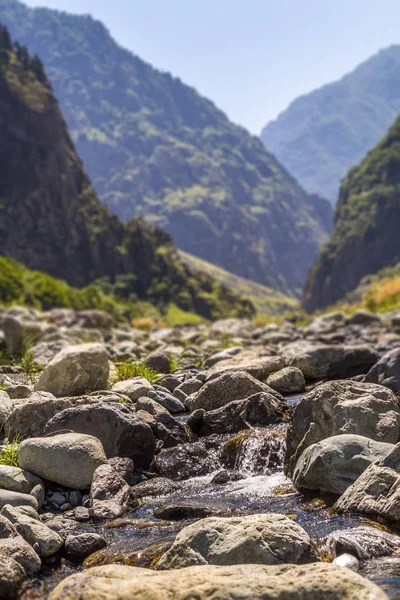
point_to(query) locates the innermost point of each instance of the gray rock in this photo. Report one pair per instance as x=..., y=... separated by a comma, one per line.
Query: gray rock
x=133, y=388
x=387, y=371
x=289, y=380
x=17, y=499
x=167, y=400
x=17, y=480
x=256, y=539
x=377, y=490
x=110, y=495
x=12, y=576
x=18, y=549
x=124, y=466
x=19, y=391
x=340, y=407
x=79, y=546
x=253, y=362
x=75, y=497
x=75, y=370
x=117, y=426
x=170, y=382
x=159, y=486
x=318, y=361
x=227, y=388
x=318, y=581
x=81, y=514
x=232, y=327
x=334, y=463
x=364, y=542
x=6, y=408
x=45, y=541
x=168, y=429
x=68, y=459
x=159, y=361
x=190, y=386
x=364, y=318
x=19, y=329
x=222, y=355
x=259, y=410
x=7, y=529
x=186, y=460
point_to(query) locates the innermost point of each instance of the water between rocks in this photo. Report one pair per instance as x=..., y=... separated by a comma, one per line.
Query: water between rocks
x=260, y=487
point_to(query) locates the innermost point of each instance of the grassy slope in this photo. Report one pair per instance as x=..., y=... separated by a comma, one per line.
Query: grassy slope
x=265, y=299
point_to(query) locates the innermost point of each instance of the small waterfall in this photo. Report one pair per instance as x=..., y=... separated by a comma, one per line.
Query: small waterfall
x=263, y=452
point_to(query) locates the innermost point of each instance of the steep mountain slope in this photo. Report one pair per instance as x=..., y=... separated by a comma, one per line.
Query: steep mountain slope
x=51, y=218
x=154, y=147
x=321, y=135
x=366, y=233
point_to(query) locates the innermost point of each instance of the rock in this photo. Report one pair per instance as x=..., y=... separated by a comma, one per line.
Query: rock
x=364, y=318
x=17, y=480
x=159, y=361
x=289, y=380
x=30, y=417
x=168, y=429
x=318, y=361
x=6, y=408
x=118, y=428
x=133, y=388
x=18, y=549
x=227, y=388
x=167, y=400
x=82, y=545
x=249, y=361
x=186, y=460
x=7, y=529
x=124, y=466
x=377, y=490
x=81, y=514
x=185, y=511
x=68, y=459
x=17, y=499
x=334, y=463
x=18, y=329
x=256, y=539
x=12, y=576
x=363, y=542
x=341, y=407
x=222, y=355
x=259, y=410
x=110, y=495
x=318, y=581
x=159, y=486
x=346, y=560
x=190, y=386
x=19, y=391
x=75, y=370
x=170, y=382
x=45, y=541
x=232, y=328
x=387, y=371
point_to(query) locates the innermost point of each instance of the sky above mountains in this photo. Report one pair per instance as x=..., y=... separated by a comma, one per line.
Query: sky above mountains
x=251, y=57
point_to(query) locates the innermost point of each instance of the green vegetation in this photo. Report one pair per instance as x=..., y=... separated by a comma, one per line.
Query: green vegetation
x=9, y=452
x=128, y=370
x=176, y=316
x=321, y=135
x=154, y=147
x=365, y=239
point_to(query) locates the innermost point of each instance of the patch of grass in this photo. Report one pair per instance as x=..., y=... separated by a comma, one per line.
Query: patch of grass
x=176, y=316
x=129, y=370
x=174, y=366
x=143, y=323
x=29, y=367
x=9, y=453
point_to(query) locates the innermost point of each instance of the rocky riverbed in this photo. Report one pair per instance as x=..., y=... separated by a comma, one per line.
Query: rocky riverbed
x=262, y=462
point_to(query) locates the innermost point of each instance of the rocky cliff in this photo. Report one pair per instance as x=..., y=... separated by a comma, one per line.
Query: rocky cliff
x=50, y=216
x=365, y=237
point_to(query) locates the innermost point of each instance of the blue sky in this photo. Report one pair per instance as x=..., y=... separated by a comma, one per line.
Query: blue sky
x=251, y=57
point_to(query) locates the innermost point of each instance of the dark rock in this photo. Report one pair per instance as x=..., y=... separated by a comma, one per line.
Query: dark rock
x=387, y=371
x=159, y=361
x=187, y=460
x=82, y=545
x=188, y=510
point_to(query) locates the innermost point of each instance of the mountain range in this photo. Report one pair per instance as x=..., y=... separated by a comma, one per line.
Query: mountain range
x=51, y=219
x=154, y=147
x=321, y=135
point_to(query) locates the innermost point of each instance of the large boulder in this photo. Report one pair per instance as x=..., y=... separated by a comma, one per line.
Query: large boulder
x=118, y=428
x=334, y=463
x=187, y=460
x=259, y=410
x=363, y=542
x=68, y=459
x=253, y=362
x=340, y=407
x=45, y=541
x=387, y=371
x=377, y=490
x=76, y=370
x=319, y=581
x=227, y=388
x=319, y=361
x=268, y=539
x=30, y=417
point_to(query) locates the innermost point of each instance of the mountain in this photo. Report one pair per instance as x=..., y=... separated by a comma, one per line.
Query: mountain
x=366, y=234
x=153, y=146
x=51, y=218
x=321, y=135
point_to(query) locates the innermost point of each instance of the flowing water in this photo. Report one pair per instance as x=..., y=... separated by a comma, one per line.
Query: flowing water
x=257, y=485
